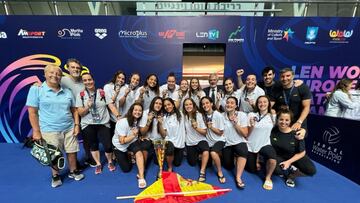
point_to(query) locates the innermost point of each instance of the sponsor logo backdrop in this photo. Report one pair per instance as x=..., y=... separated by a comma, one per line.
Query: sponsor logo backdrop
x=320, y=50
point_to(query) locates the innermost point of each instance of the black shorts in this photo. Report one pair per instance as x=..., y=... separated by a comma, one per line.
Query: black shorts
x=217, y=147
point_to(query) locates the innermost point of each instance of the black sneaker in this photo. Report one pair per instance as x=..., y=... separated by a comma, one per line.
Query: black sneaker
x=90, y=162
x=56, y=181
x=76, y=175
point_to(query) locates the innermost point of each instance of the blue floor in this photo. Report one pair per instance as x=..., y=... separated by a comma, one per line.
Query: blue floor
x=22, y=179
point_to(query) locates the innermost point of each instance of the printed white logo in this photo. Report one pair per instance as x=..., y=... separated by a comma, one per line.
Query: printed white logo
x=3, y=35
x=101, y=33
x=31, y=34
x=71, y=33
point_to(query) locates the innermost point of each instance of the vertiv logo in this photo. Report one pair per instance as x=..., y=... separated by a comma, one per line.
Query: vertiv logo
x=235, y=37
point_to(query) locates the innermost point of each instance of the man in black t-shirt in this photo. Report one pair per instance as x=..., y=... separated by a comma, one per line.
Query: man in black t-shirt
x=295, y=98
x=269, y=85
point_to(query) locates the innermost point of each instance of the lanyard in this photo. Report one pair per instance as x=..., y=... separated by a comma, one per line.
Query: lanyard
x=261, y=117
x=94, y=104
x=288, y=99
x=209, y=117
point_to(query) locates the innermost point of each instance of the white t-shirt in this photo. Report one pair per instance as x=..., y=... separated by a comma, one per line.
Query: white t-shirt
x=122, y=129
x=226, y=96
x=260, y=135
x=147, y=97
x=153, y=134
x=354, y=113
x=100, y=109
x=175, y=130
x=130, y=99
x=339, y=103
x=196, y=98
x=110, y=92
x=244, y=105
x=230, y=133
x=75, y=86
x=193, y=137
x=217, y=122
x=171, y=94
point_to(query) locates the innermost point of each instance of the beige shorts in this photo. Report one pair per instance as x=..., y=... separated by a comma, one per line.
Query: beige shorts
x=64, y=140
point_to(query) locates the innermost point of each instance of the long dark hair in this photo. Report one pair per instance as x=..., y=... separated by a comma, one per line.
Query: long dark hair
x=236, y=102
x=129, y=115
x=213, y=107
x=156, y=88
x=191, y=114
x=117, y=73
x=234, y=86
x=175, y=110
x=342, y=85
x=151, y=109
x=190, y=90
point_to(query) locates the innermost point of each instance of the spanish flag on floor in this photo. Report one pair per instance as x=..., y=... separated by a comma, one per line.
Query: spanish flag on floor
x=172, y=188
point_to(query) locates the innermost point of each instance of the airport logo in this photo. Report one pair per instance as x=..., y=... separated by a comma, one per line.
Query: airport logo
x=25, y=34
x=3, y=35
x=71, y=33
x=212, y=34
x=100, y=33
x=340, y=36
x=235, y=37
x=311, y=35
x=172, y=34
x=327, y=148
x=133, y=34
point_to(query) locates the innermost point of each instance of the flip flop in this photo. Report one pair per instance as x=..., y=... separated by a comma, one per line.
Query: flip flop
x=221, y=179
x=141, y=183
x=240, y=185
x=202, y=177
x=268, y=185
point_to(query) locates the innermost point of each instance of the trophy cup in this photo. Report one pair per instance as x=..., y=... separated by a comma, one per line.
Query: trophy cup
x=160, y=147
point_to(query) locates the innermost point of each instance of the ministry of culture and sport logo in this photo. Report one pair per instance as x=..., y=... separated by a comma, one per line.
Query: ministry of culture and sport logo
x=3, y=35
x=172, y=34
x=340, y=36
x=70, y=33
x=279, y=34
x=328, y=148
x=235, y=37
x=212, y=34
x=25, y=34
x=311, y=34
x=133, y=34
x=100, y=33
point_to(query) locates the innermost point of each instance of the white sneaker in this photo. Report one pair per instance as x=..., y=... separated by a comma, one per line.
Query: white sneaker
x=56, y=181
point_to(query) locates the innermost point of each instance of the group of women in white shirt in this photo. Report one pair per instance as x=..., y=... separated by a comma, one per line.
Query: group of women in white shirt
x=193, y=122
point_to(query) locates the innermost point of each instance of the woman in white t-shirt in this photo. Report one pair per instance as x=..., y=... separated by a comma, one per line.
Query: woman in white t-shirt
x=235, y=132
x=215, y=132
x=261, y=123
x=148, y=91
x=195, y=138
x=131, y=93
x=115, y=91
x=229, y=90
x=195, y=91
x=182, y=94
x=95, y=118
x=149, y=126
x=172, y=129
x=125, y=140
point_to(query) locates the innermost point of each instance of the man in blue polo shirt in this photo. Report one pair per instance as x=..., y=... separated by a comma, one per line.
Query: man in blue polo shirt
x=52, y=116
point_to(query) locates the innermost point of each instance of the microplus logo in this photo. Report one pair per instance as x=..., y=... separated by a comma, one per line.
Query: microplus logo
x=100, y=33
x=132, y=34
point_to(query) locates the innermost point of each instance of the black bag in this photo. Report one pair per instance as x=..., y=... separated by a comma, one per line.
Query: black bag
x=48, y=155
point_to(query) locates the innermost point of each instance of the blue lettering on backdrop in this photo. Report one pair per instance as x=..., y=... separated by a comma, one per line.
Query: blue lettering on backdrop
x=320, y=50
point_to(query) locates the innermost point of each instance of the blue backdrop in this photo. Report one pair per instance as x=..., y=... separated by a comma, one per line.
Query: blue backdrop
x=320, y=50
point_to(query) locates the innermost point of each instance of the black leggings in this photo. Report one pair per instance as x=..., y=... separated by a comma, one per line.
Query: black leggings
x=96, y=133
x=178, y=153
x=305, y=165
x=192, y=152
x=124, y=158
x=268, y=152
x=230, y=152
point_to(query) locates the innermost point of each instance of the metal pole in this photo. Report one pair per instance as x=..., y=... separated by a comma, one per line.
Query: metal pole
x=306, y=9
x=106, y=8
x=355, y=9
x=6, y=8
x=56, y=8
x=272, y=8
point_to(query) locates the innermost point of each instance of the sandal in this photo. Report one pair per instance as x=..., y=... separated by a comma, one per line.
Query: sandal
x=221, y=179
x=290, y=182
x=141, y=183
x=268, y=185
x=240, y=185
x=202, y=177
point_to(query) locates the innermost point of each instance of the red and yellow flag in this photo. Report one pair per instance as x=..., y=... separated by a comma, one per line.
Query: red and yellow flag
x=172, y=188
